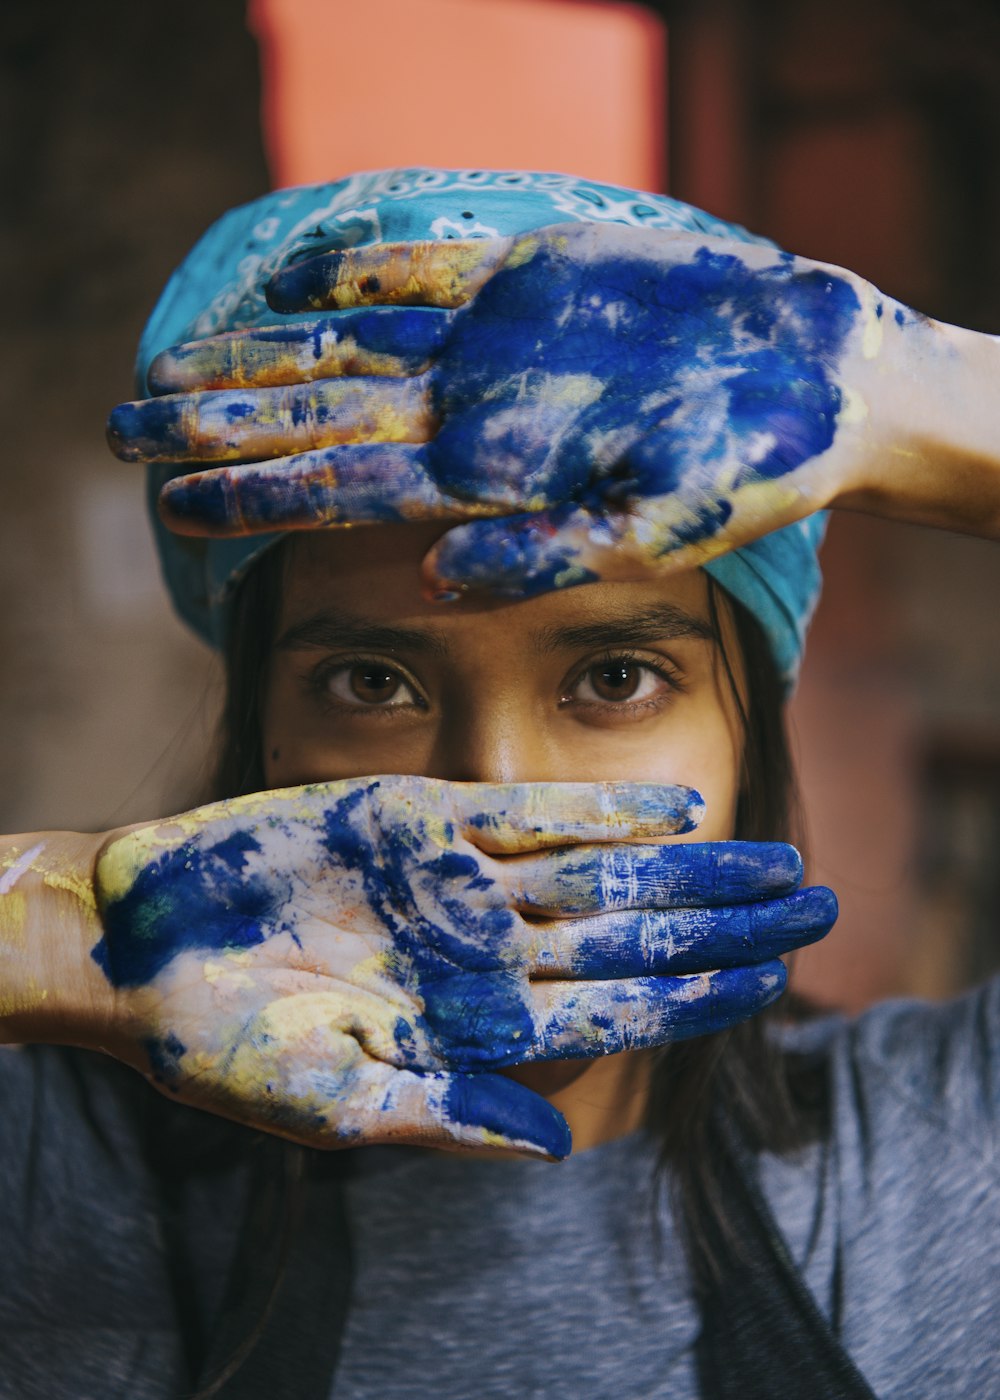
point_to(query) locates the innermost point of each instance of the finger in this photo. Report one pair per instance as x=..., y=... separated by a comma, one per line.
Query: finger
x=444, y=273
x=597, y=879
x=229, y=425
x=637, y=942
x=387, y=1105
x=370, y=483
x=509, y=818
x=381, y=341
x=520, y=556
x=326, y=1092
x=586, y=1019
x=488, y=1110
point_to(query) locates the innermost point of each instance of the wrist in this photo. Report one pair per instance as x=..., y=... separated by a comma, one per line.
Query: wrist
x=51, y=990
x=931, y=427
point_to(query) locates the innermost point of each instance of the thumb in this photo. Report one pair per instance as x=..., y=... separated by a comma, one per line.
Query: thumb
x=519, y=556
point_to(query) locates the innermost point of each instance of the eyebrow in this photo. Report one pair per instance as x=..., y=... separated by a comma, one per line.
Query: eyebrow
x=661, y=622
x=333, y=629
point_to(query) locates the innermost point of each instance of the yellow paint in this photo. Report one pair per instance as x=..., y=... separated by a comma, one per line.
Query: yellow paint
x=231, y=976
x=120, y=864
x=13, y=919
x=73, y=883
x=523, y=250
x=388, y=422
x=18, y=1000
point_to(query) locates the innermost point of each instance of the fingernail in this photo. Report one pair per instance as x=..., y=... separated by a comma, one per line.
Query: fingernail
x=144, y=429
x=304, y=285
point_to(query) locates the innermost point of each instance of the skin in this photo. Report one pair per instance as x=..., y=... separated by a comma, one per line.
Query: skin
x=502, y=699
x=363, y=959
x=632, y=402
x=875, y=408
x=357, y=961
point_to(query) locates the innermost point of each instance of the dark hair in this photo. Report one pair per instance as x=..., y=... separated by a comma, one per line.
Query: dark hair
x=740, y=1077
x=740, y=1074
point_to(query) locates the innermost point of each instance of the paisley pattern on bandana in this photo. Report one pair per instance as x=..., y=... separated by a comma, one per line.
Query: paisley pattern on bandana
x=396, y=206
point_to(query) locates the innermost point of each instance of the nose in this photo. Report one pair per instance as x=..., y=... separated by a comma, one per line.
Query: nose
x=499, y=742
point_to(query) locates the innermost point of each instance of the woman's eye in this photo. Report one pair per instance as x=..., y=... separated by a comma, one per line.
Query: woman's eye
x=370, y=683
x=613, y=682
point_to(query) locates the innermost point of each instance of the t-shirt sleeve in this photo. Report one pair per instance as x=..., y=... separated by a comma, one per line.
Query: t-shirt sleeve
x=921, y=1067
x=903, y=1255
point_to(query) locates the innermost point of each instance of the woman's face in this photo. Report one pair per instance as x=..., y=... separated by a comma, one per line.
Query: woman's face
x=607, y=681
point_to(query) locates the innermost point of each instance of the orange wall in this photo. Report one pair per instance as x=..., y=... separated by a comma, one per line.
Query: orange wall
x=532, y=84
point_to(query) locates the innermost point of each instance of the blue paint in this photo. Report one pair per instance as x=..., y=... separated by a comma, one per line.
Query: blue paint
x=385, y=483
x=589, y=880
x=692, y=379
x=737, y=992
x=674, y=941
x=147, y=430
x=733, y=362
x=764, y=344
x=446, y=926
x=409, y=335
x=226, y=424
x=502, y=1106
x=165, y=1054
x=459, y=965
x=194, y=897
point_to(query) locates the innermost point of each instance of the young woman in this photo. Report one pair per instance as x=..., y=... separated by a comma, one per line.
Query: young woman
x=471, y=952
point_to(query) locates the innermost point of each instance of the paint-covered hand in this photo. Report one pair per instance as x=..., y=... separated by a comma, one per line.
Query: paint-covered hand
x=628, y=400
x=354, y=962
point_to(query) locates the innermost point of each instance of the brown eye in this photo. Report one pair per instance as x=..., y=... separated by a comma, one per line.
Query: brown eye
x=619, y=683
x=367, y=685
x=615, y=680
x=374, y=684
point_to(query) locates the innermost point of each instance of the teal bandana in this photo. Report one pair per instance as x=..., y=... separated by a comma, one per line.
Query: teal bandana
x=220, y=287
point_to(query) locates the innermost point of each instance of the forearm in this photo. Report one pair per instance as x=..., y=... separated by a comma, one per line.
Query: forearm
x=51, y=990
x=931, y=416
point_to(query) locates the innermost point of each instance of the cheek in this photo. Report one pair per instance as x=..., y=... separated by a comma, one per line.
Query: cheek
x=302, y=743
x=699, y=744
x=705, y=756
x=294, y=751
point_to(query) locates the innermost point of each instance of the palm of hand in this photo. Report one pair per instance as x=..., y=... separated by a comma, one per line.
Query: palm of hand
x=369, y=913
x=349, y=961
x=288, y=956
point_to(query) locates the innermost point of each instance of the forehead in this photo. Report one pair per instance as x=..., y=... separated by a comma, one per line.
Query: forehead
x=375, y=571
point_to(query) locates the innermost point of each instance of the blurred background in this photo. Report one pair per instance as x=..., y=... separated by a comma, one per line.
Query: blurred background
x=866, y=134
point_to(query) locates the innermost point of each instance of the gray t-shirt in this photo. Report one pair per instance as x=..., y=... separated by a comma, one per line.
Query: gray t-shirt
x=478, y=1278
x=501, y=1279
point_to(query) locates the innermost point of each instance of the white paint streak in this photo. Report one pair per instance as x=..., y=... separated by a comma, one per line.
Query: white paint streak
x=10, y=877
